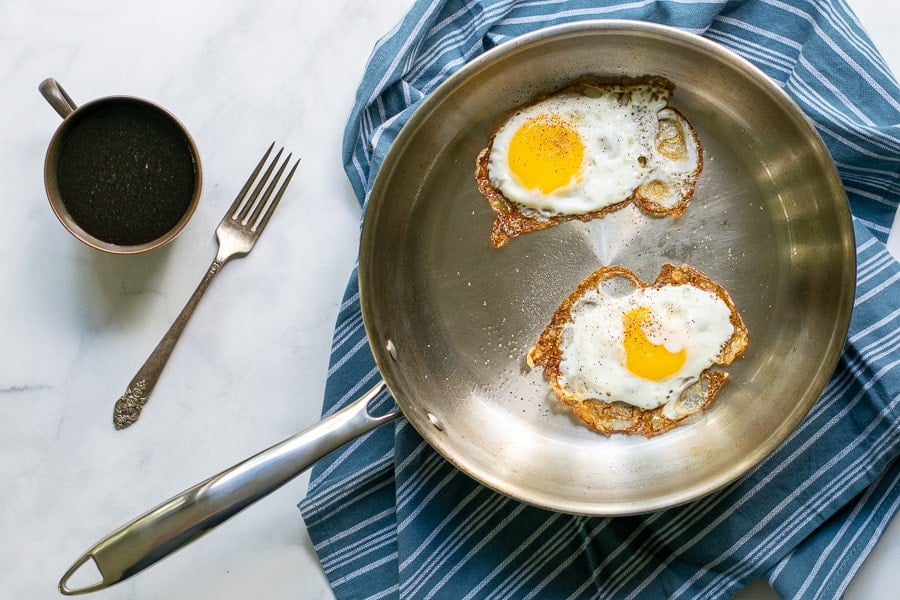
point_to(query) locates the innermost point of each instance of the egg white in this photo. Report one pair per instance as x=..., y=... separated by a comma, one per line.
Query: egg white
x=679, y=174
x=619, y=138
x=592, y=343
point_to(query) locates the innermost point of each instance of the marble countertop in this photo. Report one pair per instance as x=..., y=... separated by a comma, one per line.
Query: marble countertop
x=250, y=369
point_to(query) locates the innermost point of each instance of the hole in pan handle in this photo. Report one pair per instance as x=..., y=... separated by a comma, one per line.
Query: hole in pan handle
x=187, y=516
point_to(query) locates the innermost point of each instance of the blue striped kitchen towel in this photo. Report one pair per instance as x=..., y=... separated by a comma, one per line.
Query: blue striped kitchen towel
x=390, y=518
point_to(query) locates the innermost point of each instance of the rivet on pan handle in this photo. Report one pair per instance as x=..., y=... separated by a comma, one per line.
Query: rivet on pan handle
x=184, y=518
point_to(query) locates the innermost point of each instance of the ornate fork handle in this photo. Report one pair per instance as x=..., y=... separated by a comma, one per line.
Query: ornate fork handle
x=128, y=407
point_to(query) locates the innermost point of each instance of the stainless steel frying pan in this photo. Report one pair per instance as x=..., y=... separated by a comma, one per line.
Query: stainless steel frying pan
x=450, y=318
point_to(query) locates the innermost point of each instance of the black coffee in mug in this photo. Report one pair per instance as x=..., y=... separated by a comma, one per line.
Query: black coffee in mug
x=122, y=174
x=125, y=173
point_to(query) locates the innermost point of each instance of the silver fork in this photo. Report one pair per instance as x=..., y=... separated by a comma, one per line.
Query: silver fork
x=237, y=234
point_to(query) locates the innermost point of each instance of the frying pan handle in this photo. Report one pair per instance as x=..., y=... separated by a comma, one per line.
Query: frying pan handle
x=184, y=518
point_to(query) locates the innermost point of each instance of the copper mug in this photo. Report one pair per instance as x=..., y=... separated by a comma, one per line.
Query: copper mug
x=122, y=174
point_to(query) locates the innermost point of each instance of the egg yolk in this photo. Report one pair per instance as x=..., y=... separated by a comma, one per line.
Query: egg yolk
x=643, y=357
x=545, y=153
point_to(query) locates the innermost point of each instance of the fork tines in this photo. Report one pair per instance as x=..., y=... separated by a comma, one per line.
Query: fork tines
x=260, y=205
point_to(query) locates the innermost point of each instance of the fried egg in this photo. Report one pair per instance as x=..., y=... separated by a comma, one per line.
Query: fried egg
x=635, y=358
x=587, y=150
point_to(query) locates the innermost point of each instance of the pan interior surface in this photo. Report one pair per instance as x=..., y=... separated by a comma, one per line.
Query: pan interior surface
x=769, y=221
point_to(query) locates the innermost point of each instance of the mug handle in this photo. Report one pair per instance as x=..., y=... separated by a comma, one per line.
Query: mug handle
x=57, y=97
